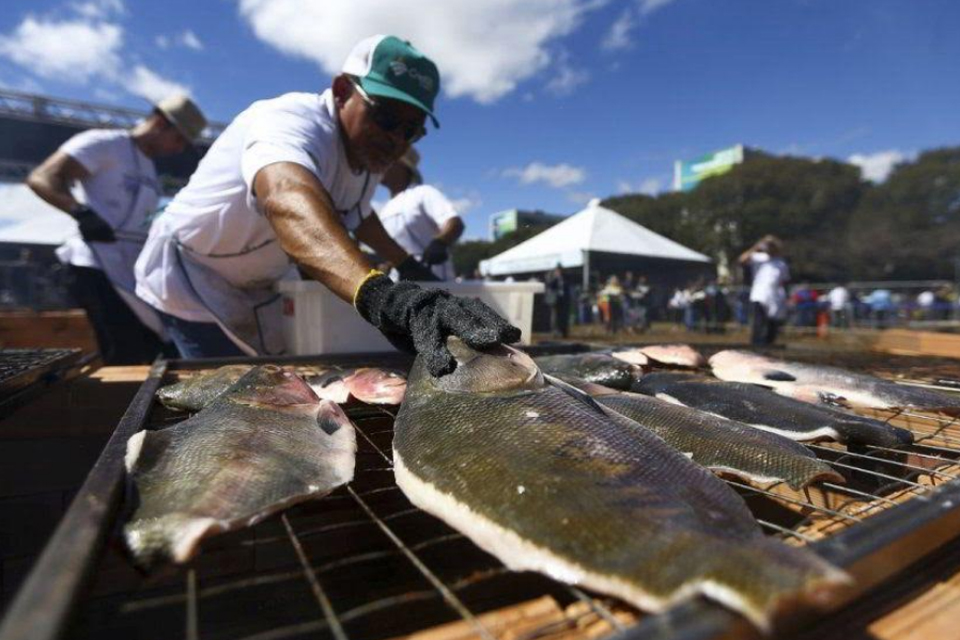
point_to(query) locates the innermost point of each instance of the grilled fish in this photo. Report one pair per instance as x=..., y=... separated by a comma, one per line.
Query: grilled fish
x=548, y=483
x=722, y=445
x=198, y=391
x=766, y=410
x=370, y=385
x=600, y=368
x=669, y=355
x=265, y=444
x=822, y=384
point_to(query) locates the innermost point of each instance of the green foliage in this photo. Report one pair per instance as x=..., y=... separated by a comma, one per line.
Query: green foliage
x=835, y=226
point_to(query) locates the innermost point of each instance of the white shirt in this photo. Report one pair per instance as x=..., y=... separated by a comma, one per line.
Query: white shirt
x=217, y=217
x=769, y=276
x=838, y=297
x=122, y=188
x=414, y=217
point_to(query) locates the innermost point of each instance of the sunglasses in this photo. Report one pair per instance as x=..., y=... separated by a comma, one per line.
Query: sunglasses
x=389, y=122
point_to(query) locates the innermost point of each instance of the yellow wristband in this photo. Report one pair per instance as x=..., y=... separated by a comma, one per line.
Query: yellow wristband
x=373, y=273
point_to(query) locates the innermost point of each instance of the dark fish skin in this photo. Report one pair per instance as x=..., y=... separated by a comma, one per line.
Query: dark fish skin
x=265, y=444
x=600, y=368
x=719, y=444
x=763, y=409
x=548, y=483
x=823, y=384
x=199, y=390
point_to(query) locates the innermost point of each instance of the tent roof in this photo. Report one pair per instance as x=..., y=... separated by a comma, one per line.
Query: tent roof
x=25, y=218
x=595, y=229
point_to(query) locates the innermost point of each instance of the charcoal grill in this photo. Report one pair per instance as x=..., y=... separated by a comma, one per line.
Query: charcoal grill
x=364, y=563
x=24, y=372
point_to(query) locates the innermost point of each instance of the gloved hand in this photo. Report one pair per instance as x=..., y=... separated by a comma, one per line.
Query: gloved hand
x=436, y=252
x=93, y=228
x=413, y=269
x=419, y=320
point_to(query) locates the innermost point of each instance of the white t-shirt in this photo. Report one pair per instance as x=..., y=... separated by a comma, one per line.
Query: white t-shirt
x=769, y=276
x=216, y=216
x=414, y=217
x=122, y=187
x=838, y=297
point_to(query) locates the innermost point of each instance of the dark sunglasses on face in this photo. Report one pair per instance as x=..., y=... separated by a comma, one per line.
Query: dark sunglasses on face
x=389, y=122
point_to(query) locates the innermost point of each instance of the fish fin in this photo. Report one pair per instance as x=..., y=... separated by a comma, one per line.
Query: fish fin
x=573, y=392
x=330, y=417
x=778, y=376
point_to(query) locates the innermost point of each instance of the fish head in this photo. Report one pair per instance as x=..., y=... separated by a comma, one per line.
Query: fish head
x=377, y=386
x=500, y=369
x=273, y=386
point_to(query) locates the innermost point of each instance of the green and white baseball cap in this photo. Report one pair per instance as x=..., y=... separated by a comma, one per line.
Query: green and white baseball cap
x=392, y=68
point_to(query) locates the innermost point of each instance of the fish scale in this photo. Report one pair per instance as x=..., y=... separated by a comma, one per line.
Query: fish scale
x=548, y=483
x=266, y=443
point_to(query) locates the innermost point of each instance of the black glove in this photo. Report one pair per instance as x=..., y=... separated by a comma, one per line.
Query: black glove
x=413, y=269
x=93, y=228
x=436, y=252
x=419, y=320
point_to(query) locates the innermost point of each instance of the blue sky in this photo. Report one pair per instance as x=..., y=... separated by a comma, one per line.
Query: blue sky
x=548, y=102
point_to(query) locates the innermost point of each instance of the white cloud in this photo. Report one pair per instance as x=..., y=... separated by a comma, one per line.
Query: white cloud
x=648, y=186
x=26, y=218
x=190, y=40
x=162, y=41
x=618, y=37
x=877, y=166
x=152, y=86
x=649, y=6
x=71, y=50
x=557, y=176
x=483, y=48
x=99, y=9
x=466, y=204
x=566, y=78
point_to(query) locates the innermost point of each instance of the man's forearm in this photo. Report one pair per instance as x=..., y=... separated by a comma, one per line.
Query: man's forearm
x=372, y=233
x=309, y=230
x=51, y=190
x=451, y=231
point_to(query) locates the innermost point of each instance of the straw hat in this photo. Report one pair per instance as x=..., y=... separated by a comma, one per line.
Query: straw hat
x=411, y=160
x=184, y=114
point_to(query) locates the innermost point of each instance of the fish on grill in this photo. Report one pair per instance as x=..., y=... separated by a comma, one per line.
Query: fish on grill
x=722, y=445
x=369, y=384
x=829, y=385
x=763, y=409
x=549, y=483
x=601, y=368
x=199, y=390
x=670, y=355
x=265, y=444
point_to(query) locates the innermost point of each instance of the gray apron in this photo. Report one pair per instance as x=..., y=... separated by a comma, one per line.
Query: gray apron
x=250, y=315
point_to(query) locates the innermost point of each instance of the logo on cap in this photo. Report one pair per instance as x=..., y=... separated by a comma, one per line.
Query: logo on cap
x=400, y=68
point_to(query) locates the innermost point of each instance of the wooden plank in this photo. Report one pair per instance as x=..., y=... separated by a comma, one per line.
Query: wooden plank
x=52, y=329
x=918, y=343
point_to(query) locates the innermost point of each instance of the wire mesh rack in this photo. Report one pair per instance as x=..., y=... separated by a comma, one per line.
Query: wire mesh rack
x=364, y=563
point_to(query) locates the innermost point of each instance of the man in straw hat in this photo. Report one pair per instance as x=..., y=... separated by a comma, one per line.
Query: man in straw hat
x=120, y=191
x=280, y=192
x=419, y=217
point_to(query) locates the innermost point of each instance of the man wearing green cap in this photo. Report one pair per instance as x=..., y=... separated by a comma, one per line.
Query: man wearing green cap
x=281, y=189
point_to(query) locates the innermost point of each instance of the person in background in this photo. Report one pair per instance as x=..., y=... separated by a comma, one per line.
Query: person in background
x=611, y=296
x=839, y=300
x=420, y=218
x=120, y=191
x=768, y=295
x=281, y=190
x=557, y=297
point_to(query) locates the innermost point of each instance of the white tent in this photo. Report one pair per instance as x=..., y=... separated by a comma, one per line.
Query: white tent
x=594, y=230
x=26, y=219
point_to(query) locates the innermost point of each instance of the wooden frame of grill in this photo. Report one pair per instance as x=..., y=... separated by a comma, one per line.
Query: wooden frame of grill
x=364, y=563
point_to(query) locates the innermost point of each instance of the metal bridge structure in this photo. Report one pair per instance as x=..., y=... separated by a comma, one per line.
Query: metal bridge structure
x=34, y=126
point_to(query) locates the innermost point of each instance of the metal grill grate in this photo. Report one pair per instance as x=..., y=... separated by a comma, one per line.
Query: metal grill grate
x=364, y=563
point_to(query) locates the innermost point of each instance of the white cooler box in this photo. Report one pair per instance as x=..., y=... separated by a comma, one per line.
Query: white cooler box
x=315, y=321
